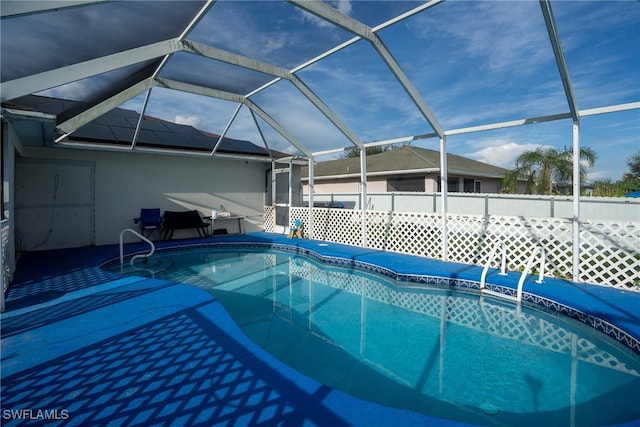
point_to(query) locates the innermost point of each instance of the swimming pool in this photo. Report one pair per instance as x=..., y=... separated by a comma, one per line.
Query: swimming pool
x=434, y=350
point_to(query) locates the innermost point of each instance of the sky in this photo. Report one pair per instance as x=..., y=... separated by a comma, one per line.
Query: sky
x=471, y=62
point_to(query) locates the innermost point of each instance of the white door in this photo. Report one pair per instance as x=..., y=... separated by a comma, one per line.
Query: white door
x=54, y=204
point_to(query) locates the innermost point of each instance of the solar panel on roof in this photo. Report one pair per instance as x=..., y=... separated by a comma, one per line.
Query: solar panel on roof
x=111, y=120
x=147, y=137
x=94, y=132
x=154, y=125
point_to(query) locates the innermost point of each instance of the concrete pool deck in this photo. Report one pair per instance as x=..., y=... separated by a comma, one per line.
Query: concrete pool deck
x=83, y=346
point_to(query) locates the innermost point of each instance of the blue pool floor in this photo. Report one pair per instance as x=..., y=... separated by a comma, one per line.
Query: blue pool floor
x=82, y=346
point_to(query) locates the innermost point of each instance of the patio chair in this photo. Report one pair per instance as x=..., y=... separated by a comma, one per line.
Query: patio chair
x=150, y=220
x=182, y=220
x=296, y=229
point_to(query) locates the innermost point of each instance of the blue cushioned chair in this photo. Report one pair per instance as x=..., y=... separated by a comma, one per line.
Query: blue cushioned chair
x=150, y=220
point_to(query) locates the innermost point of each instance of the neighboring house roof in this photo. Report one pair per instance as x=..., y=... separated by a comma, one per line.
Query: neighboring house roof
x=404, y=160
x=117, y=127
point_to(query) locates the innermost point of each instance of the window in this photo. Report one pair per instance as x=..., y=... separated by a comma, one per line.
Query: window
x=402, y=183
x=471, y=185
x=453, y=185
x=468, y=185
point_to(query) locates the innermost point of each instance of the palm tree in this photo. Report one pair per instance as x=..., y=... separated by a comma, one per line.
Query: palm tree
x=542, y=167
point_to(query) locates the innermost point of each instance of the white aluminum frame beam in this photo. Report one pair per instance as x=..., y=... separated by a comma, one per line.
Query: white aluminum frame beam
x=328, y=112
x=554, y=37
x=134, y=140
x=101, y=108
x=222, y=55
x=444, y=187
x=165, y=151
x=407, y=14
x=576, y=202
x=193, y=47
x=350, y=24
x=234, y=97
x=610, y=109
x=190, y=26
x=358, y=38
x=277, y=127
x=363, y=195
x=259, y=128
x=226, y=129
x=282, y=73
x=311, y=185
x=196, y=19
x=97, y=110
x=199, y=90
x=513, y=123
x=346, y=22
x=49, y=79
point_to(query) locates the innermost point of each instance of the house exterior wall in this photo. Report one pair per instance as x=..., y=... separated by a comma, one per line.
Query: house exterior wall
x=345, y=185
x=490, y=186
x=430, y=184
x=379, y=184
x=119, y=186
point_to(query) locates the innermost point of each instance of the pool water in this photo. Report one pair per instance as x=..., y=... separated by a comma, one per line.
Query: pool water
x=441, y=352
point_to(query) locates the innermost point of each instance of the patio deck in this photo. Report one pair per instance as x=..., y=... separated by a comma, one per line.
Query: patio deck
x=82, y=346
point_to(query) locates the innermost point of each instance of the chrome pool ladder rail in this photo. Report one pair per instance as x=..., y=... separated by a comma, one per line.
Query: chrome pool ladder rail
x=133, y=258
x=503, y=266
x=537, y=250
x=503, y=271
x=503, y=262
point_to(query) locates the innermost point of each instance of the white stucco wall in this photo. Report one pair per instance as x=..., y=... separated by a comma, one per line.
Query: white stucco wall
x=430, y=184
x=121, y=185
x=351, y=185
x=379, y=184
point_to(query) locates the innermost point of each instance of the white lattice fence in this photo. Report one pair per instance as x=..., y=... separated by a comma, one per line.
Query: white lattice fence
x=610, y=252
x=337, y=225
x=468, y=242
x=520, y=236
x=269, y=218
x=411, y=233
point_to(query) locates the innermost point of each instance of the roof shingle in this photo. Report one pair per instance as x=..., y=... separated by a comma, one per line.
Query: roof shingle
x=406, y=159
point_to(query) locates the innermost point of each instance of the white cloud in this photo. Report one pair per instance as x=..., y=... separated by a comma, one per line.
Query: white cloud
x=196, y=122
x=503, y=155
x=343, y=6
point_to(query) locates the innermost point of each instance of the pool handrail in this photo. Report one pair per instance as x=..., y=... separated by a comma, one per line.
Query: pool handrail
x=133, y=258
x=525, y=272
x=503, y=262
x=530, y=262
